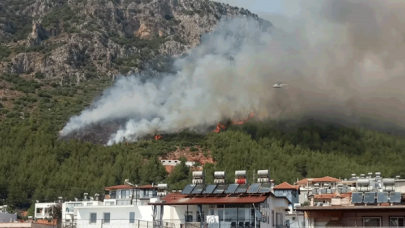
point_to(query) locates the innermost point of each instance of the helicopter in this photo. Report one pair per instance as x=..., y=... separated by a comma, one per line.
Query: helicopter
x=279, y=85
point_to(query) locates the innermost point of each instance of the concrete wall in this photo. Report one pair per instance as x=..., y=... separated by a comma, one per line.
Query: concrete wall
x=7, y=217
x=119, y=215
x=42, y=210
x=295, y=220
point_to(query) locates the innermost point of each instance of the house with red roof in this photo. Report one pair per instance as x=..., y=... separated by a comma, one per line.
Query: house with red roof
x=326, y=184
x=233, y=205
x=292, y=193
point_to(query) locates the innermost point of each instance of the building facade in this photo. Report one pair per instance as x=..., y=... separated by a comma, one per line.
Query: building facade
x=360, y=201
x=223, y=205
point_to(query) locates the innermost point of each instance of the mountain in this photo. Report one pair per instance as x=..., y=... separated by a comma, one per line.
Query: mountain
x=71, y=41
x=56, y=56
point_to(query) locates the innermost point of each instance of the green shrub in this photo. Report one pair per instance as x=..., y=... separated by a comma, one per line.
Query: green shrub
x=4, y=52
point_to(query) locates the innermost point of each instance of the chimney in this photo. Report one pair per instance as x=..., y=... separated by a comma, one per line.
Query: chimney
x=60, y=199
x=85, y=196
x=96, y=196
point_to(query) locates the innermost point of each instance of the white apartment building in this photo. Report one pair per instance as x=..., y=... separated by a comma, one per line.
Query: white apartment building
x=326, y=185
x=123, y=206
x=43, y=210
x=69, y=218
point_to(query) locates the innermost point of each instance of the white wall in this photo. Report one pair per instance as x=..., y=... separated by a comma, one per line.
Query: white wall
x=295, y=220
x=46, y=208
x=119, y=215
x=68, y=215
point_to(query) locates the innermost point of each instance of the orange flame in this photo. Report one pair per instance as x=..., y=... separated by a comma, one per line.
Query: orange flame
x=157, y=137
x=221, y=126
x=239, y=122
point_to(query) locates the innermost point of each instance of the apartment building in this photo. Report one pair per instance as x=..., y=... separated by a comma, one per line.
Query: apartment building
x=232, y=205
x=360, y=201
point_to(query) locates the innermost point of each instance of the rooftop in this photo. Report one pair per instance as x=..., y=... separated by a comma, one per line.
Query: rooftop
x=321, y=179
x=124, y=186
x=286, y=186
x=182, y=199
x=353, y=208
x=333, y=195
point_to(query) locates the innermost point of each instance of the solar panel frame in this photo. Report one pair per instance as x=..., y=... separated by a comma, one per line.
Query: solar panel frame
x=209, y=189
x=231, y=188
x=265, y=188
x=198, y=189
x=220, y=189
x=382, y=197
x=254, y=188
x=357, y=197
x=188, y=189
x=395, y=197
x=242, y=188
x=369, y=197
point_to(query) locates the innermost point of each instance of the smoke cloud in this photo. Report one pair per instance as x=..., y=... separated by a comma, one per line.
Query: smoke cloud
x=340, y=58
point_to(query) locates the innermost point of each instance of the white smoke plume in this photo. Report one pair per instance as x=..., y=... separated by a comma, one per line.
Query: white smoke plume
x=340, y=56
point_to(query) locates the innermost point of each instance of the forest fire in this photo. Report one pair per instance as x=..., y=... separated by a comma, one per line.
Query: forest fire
x=157, y=137
x=221, y=126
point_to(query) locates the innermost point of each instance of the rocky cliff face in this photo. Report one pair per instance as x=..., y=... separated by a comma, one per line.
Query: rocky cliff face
x=69, y=41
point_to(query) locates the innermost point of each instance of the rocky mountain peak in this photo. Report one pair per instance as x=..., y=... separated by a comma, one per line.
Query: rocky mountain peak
x=74, y=40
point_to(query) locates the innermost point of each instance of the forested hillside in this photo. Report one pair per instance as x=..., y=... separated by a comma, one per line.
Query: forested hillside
x=51, y=71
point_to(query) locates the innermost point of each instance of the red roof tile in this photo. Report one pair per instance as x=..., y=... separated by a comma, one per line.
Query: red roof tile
x=116, y=187
x=182, y=199
x=330, y=196
x=322, y=179
x=287, y=186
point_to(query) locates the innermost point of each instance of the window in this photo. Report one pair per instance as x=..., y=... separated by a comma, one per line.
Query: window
x=39, y=210
x=397, y=221
x=372, y=221
x=113, y=194
x=93, y=217
x=106, y=217
x=131, y=217
x=124, y=194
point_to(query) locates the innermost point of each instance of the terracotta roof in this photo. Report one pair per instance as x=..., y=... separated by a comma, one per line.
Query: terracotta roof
x=124, y=186
x=287, y=186
x=183, y=199
x=322, y=179
x=330, y=196
x=116, y=187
